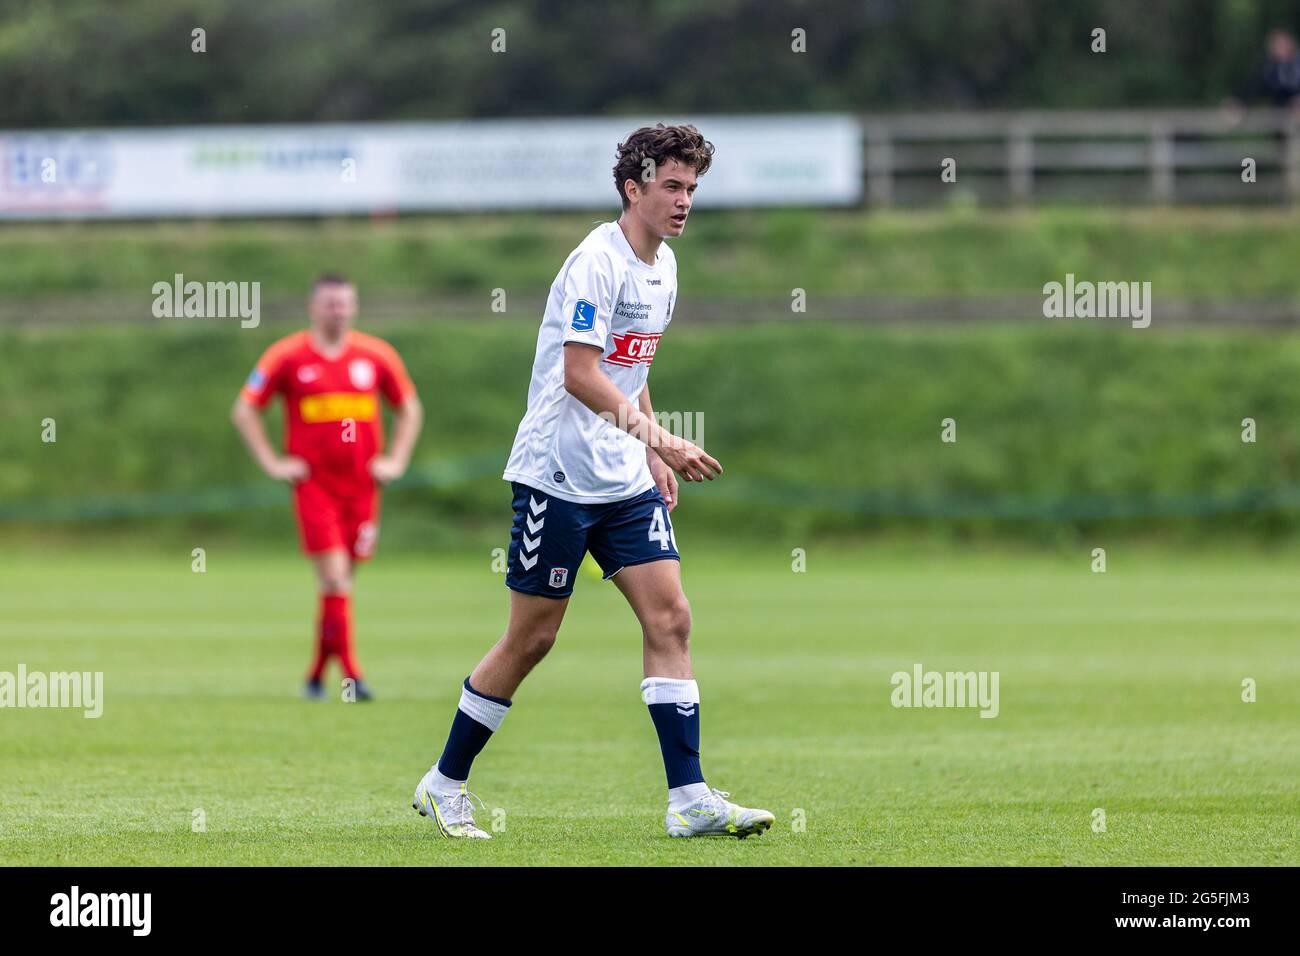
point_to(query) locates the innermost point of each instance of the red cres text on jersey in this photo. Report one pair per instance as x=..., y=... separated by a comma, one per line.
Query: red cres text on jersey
x=633, y=348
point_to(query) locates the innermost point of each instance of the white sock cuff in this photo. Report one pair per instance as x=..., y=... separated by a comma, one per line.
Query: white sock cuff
x=669, y=690
x=489, y=713
x=444, y=783
x=679, y=798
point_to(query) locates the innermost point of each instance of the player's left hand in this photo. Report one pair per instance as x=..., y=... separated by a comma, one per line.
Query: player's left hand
x=664, y=478
x=386, y=468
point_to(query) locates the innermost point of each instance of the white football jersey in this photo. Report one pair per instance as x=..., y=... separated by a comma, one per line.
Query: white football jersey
x=603, y=296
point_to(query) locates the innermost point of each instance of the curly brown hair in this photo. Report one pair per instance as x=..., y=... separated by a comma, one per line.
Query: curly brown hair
x=660, y=143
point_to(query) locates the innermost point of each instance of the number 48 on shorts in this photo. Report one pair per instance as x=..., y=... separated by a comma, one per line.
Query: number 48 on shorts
x=661, y=531
x=550, y=536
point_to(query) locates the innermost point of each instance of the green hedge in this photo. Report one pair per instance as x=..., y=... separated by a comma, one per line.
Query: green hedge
x=823, y=428
x=107, y=270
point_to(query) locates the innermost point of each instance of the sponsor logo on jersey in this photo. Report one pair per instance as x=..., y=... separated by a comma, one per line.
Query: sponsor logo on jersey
x=633, y=348
x=362, y=373
x=635, y=311
x=336, y=406
x=584, y=316
x=256, y=379
x=559, y=577
x=559, y=477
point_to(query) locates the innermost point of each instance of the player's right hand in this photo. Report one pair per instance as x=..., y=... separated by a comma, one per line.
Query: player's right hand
x=289, y=469
x=690, y=461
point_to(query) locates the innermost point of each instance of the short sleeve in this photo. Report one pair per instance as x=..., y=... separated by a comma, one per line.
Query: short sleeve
x=266, y=378
x=588, y=300
x=394, y=382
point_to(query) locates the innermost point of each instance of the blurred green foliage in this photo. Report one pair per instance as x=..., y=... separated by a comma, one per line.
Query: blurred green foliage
x=87, y=62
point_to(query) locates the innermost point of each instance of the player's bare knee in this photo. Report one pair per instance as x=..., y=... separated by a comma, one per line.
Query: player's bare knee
x=670, y=627
x=534, y=643
x=539, y=644
x=333, y=574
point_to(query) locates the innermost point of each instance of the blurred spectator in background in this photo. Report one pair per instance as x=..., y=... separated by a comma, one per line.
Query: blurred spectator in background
x=1277, y=79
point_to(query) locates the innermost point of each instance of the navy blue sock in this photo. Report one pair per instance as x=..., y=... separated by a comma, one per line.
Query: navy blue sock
x=679, y=739
x=677, y=722
x=478, y=716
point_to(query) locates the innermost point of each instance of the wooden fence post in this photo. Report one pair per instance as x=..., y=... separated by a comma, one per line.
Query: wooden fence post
x=1020, y=162
x=1291, y=161
x=880, y=166
x=1162, y=163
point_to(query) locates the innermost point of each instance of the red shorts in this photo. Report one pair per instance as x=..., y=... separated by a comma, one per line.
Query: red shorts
x=327, y=522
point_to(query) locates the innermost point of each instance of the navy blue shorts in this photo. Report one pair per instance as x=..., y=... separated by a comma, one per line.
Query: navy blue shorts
x=550, y=536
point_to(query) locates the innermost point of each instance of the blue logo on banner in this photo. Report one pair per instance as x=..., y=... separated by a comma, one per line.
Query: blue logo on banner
x=584, y=316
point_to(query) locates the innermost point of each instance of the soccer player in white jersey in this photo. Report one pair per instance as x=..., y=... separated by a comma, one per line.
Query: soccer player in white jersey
x=592, y=470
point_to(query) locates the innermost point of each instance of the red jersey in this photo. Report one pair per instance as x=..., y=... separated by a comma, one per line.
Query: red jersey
x=332, y=418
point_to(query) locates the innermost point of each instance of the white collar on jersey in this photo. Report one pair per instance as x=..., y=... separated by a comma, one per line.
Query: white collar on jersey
x=631, y=253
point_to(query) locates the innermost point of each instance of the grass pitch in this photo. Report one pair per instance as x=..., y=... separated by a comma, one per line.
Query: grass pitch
x=1119, y=691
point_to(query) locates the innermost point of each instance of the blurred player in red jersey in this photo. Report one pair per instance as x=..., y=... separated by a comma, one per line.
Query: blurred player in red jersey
x=331, y=377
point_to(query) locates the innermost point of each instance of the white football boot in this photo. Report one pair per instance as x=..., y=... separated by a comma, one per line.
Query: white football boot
x=452, y=812
x=713, y=815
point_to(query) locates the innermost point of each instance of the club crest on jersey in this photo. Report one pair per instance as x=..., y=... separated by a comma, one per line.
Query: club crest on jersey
x=633, y=348
x=584, y=316
x=362, y=373
x=559, y=577
x=308, y=374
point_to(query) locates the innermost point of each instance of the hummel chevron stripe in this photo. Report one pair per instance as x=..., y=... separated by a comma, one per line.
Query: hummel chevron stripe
x=537, y=509
x=530, y=544
x=533, y=528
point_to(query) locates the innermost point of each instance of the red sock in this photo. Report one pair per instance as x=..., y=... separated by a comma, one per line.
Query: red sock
x=330, y=623
x=336, y=632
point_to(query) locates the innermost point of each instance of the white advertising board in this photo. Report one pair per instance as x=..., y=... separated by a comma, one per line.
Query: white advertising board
x=769, y=160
